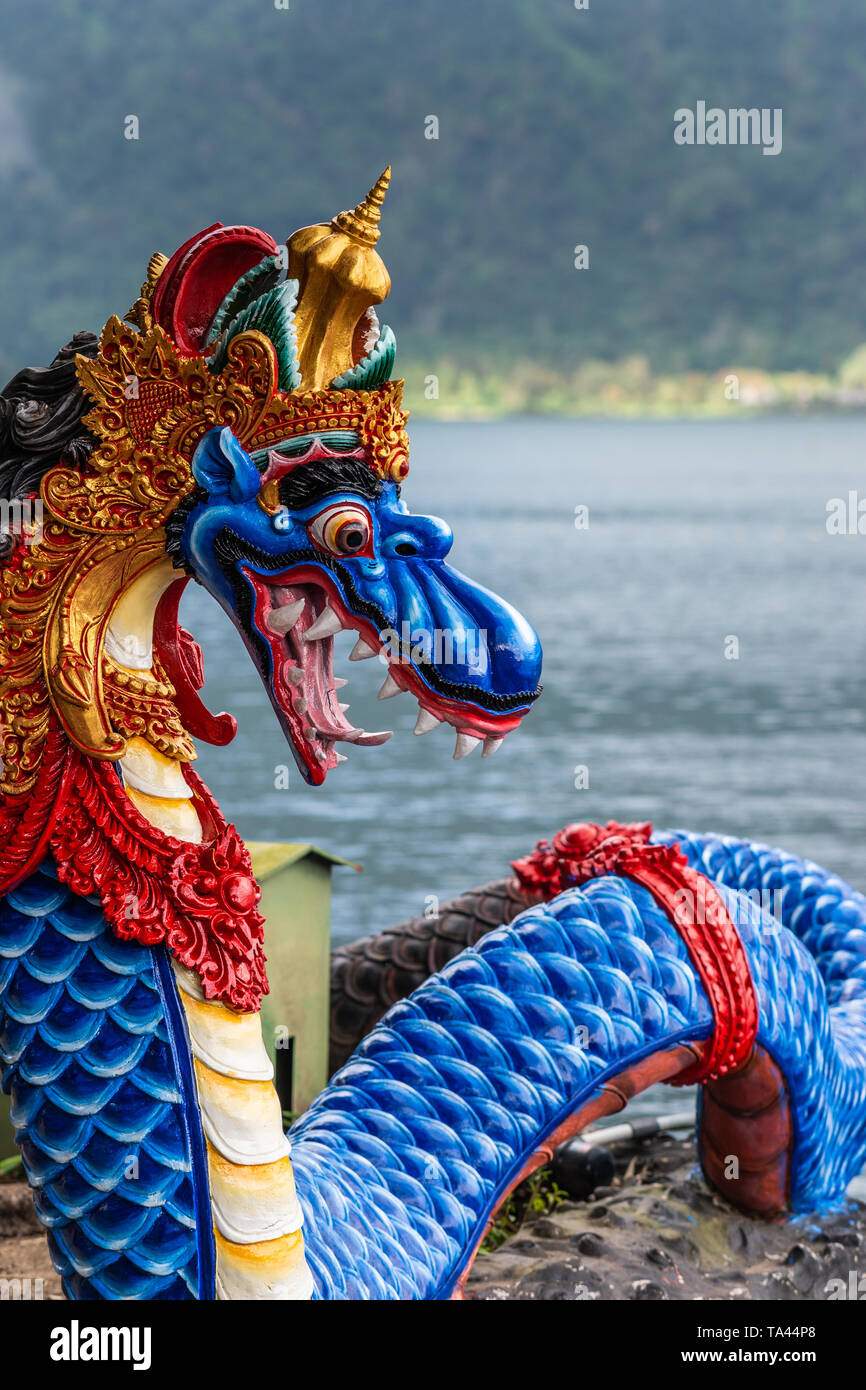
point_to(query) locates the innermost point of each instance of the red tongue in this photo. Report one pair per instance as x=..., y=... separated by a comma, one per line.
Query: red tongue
x=316, y=660
x=317, y=663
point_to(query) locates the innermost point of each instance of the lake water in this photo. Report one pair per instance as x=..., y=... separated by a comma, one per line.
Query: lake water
x=698, y=533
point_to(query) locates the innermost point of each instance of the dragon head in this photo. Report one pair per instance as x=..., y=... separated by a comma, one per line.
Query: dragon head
x=243, y=431
x=313, y=541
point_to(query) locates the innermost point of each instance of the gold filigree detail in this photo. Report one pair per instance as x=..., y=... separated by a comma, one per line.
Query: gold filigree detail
x=155, y=405
x=28, y=587
x=141, y=313
x=141, y=705
x=75, y=632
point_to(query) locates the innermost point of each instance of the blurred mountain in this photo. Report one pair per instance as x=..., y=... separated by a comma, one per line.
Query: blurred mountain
x=555, y=129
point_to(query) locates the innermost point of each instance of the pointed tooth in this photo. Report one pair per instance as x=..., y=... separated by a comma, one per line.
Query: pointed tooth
x=344, y=707
x=326, y=625
x=490, y=745
x=366, y=740
x=390, y=688
x=339, y=682
x=465, y=743
x=426, y=721
x=361, y=651
x=283, y=619
x=341, y=757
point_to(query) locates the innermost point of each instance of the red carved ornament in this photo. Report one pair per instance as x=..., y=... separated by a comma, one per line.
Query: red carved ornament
x=199, y=900
x=580, y=852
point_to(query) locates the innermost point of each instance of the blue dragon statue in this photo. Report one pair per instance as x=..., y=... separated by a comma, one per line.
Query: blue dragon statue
x=240, y=428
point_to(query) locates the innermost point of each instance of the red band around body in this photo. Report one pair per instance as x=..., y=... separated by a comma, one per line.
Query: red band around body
x=690, y=901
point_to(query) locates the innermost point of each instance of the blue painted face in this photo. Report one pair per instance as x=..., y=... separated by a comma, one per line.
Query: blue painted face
x=320, y=544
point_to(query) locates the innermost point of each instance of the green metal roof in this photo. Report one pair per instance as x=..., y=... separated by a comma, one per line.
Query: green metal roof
x=269, y=857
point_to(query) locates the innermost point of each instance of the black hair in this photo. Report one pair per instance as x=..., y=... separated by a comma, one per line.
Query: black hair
x=323, y=477
x=41, y=413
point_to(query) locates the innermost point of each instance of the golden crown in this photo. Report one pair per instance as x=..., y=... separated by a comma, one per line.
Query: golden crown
x=207, y=346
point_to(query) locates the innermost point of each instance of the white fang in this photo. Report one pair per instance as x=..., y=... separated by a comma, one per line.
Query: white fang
x=465, y=743
x=326, y=625
x=361, y=651
x=284, y=619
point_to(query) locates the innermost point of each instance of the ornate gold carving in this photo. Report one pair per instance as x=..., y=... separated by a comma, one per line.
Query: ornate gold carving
x=142, y=706
x=75, y=632
x=28, y=586
x=376, y=415
x=154, y=406
x=141, y=313
x=383, y=432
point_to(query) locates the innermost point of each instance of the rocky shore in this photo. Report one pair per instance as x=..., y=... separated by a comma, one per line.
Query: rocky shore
x=658, y=1232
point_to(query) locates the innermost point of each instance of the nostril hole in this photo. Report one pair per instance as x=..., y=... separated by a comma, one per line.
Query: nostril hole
x=405, y=548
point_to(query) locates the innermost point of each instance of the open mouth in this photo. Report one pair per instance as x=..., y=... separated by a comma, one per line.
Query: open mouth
x=298, y=615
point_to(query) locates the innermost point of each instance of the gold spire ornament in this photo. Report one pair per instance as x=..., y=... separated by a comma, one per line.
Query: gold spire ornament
x=340, y=276
x=362, y=222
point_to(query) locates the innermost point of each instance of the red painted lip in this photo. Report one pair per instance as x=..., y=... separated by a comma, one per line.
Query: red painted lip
x=309, y=705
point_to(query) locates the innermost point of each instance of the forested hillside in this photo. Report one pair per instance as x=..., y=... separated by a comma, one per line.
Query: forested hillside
x=555, y=129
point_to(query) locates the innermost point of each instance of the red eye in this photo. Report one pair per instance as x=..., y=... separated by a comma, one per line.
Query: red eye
x=342, y=530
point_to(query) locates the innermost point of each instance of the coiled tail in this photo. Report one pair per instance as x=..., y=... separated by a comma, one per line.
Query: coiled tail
x=548, y=1023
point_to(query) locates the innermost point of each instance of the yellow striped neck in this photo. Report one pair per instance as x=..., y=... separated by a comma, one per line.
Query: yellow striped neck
x=256, y=1215
x=153, y=779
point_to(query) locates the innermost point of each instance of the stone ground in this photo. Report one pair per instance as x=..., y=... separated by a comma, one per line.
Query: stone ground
x=657, y=1233
x=23, y=1247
